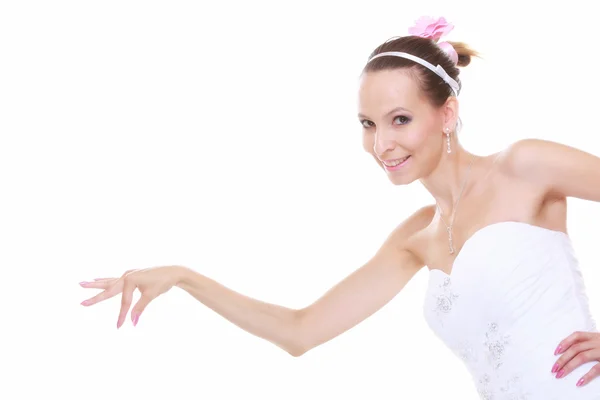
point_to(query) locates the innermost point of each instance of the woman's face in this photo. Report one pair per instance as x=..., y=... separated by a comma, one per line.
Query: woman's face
x=400, y=125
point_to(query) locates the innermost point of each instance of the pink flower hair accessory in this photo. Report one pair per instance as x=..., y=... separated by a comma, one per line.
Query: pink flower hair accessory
x=430, y=28
x=434, y=29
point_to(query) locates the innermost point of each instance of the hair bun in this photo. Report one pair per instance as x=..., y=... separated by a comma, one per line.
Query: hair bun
x=465, y=53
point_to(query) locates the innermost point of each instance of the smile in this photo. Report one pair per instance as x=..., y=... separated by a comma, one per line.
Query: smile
x=395, y=163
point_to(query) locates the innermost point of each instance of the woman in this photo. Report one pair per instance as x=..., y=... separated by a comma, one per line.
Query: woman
x=505, y=292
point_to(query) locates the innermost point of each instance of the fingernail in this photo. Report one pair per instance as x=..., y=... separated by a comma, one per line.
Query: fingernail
x=85, y=302
x=135, y=320
x=83, y=283
x=580, y=382
x=118, y=324
x=558, y=350
x=555, y=368
x=560, y=373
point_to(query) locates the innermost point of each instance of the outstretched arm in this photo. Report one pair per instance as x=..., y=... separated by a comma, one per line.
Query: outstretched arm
x=345, y=305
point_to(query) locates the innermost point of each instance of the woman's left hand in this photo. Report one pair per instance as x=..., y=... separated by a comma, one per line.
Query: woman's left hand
x=577, y=349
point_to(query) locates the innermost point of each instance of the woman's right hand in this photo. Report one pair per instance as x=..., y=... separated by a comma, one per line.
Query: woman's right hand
x=151, y=282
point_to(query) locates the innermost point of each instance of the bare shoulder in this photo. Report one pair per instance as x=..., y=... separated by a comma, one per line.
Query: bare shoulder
x=401, y=240
x=557, y=169
x=525, y=158
x=415, y=223
x=513, y=159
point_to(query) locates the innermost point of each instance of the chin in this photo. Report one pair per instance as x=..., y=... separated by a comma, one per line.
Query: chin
x=401, y=180
x=402, y=176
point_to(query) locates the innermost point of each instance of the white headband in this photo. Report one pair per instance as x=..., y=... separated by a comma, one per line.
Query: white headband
x=437, y=70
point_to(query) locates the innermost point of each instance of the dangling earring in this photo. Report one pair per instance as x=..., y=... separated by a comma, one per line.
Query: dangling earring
x=447, y=131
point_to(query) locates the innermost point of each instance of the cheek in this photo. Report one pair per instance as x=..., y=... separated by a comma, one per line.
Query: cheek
x=415, y=139
x=424, y=133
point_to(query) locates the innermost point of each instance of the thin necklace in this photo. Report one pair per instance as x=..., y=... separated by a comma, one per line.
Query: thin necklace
x=449, y=227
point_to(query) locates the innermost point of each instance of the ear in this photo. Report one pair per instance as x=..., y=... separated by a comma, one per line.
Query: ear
x=450, y=112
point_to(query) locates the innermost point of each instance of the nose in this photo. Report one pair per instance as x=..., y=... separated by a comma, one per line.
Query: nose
x=384, y=141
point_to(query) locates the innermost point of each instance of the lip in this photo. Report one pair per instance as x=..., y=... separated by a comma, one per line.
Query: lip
x=397, y=167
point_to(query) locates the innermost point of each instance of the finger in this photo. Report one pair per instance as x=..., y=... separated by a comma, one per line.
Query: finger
x=126, y=299
x=113, y=278
x=127, y=272
x=572, y=339
x=577, y=355
x=139, y=307
x=572, y=352
x=97, y=284
x=106, y=294
x=592, y=374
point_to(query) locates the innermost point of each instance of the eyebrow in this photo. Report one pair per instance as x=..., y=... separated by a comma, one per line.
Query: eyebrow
x=392, y=111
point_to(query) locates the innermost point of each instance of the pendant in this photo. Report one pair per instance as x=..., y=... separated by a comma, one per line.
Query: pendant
x=450, y=243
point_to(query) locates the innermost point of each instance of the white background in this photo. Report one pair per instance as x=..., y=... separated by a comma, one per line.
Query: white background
x=223, y=136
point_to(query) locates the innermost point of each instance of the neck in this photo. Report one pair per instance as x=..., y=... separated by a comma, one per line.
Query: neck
x=446, y=180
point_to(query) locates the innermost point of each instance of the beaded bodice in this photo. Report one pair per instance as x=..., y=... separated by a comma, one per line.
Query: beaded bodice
x=514, y=292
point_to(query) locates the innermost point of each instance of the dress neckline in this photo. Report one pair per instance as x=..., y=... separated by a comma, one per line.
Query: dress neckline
x=490, y=227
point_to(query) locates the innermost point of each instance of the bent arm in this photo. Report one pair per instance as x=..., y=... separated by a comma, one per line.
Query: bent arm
x=346, y=304
x=359, y=295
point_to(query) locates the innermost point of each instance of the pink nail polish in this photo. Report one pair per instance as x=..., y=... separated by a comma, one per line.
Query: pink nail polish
x=555, y=368
x=560, y=373
x=580, y=382
x=85, y=302
x=83, y=283
x=558, y=350
x=135, y=320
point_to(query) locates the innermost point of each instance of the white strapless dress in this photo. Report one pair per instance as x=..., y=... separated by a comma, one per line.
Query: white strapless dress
x=515, y=291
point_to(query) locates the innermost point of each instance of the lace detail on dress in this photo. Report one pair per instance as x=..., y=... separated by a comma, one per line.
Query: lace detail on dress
x=445, y=298
x=512, y=389
x=466, y=352
x=494, y=347
x=483, y=387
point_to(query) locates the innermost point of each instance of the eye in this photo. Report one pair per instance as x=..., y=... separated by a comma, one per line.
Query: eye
x=366, y=123
x=402, y=119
